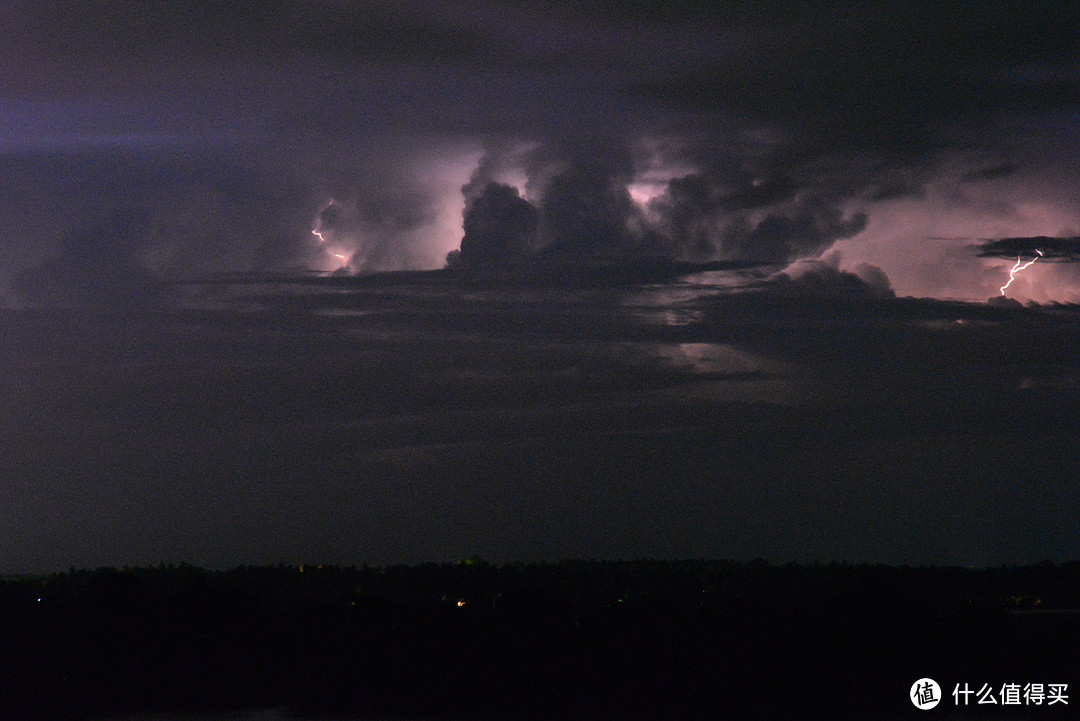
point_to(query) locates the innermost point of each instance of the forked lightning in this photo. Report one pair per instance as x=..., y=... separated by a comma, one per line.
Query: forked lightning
x=1018, y=267
x=317, y=232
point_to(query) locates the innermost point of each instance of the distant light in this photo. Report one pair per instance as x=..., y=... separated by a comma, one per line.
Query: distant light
x=642, y=192
x=461, y=602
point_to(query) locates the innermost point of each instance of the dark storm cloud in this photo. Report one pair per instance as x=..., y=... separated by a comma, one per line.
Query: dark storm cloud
x=583, y=205
x=586, y=208
x=816, y=111
x=825, y=278
x=93, y=216
x=808, y=230
x=116, y=33
x=862, y=106
x=1065, y=250
x=98, y=267
x=227, y=124
x=499, y=225
x=887, y=78
x=585, y=211
x=731, y=212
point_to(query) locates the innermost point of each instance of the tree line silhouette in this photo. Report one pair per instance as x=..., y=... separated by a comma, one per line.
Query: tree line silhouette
x=627, y=640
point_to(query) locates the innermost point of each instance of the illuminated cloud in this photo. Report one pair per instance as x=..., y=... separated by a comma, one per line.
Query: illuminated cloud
x=732, y=132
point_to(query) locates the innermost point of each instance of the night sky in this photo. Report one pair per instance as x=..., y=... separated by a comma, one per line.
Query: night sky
x=385, y=282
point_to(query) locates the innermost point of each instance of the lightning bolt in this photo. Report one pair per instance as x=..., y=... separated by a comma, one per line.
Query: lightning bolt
x=317, y=232
x=1018, y=267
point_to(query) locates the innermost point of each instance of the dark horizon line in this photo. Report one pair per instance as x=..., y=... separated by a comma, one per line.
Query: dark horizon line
x=477, y=561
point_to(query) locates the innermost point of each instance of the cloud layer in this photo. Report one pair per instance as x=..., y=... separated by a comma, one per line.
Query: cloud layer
x=686, y=130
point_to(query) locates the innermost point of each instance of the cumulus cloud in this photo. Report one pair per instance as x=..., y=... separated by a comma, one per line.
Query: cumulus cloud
x=585, y=209
x=771, y=219
x=825, y=278
x=499, y=225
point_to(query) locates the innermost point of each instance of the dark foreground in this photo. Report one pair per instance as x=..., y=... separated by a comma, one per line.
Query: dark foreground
x=648, y=640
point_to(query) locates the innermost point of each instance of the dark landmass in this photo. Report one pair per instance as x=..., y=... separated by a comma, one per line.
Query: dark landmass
x=609, y=640
x=545, y=272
